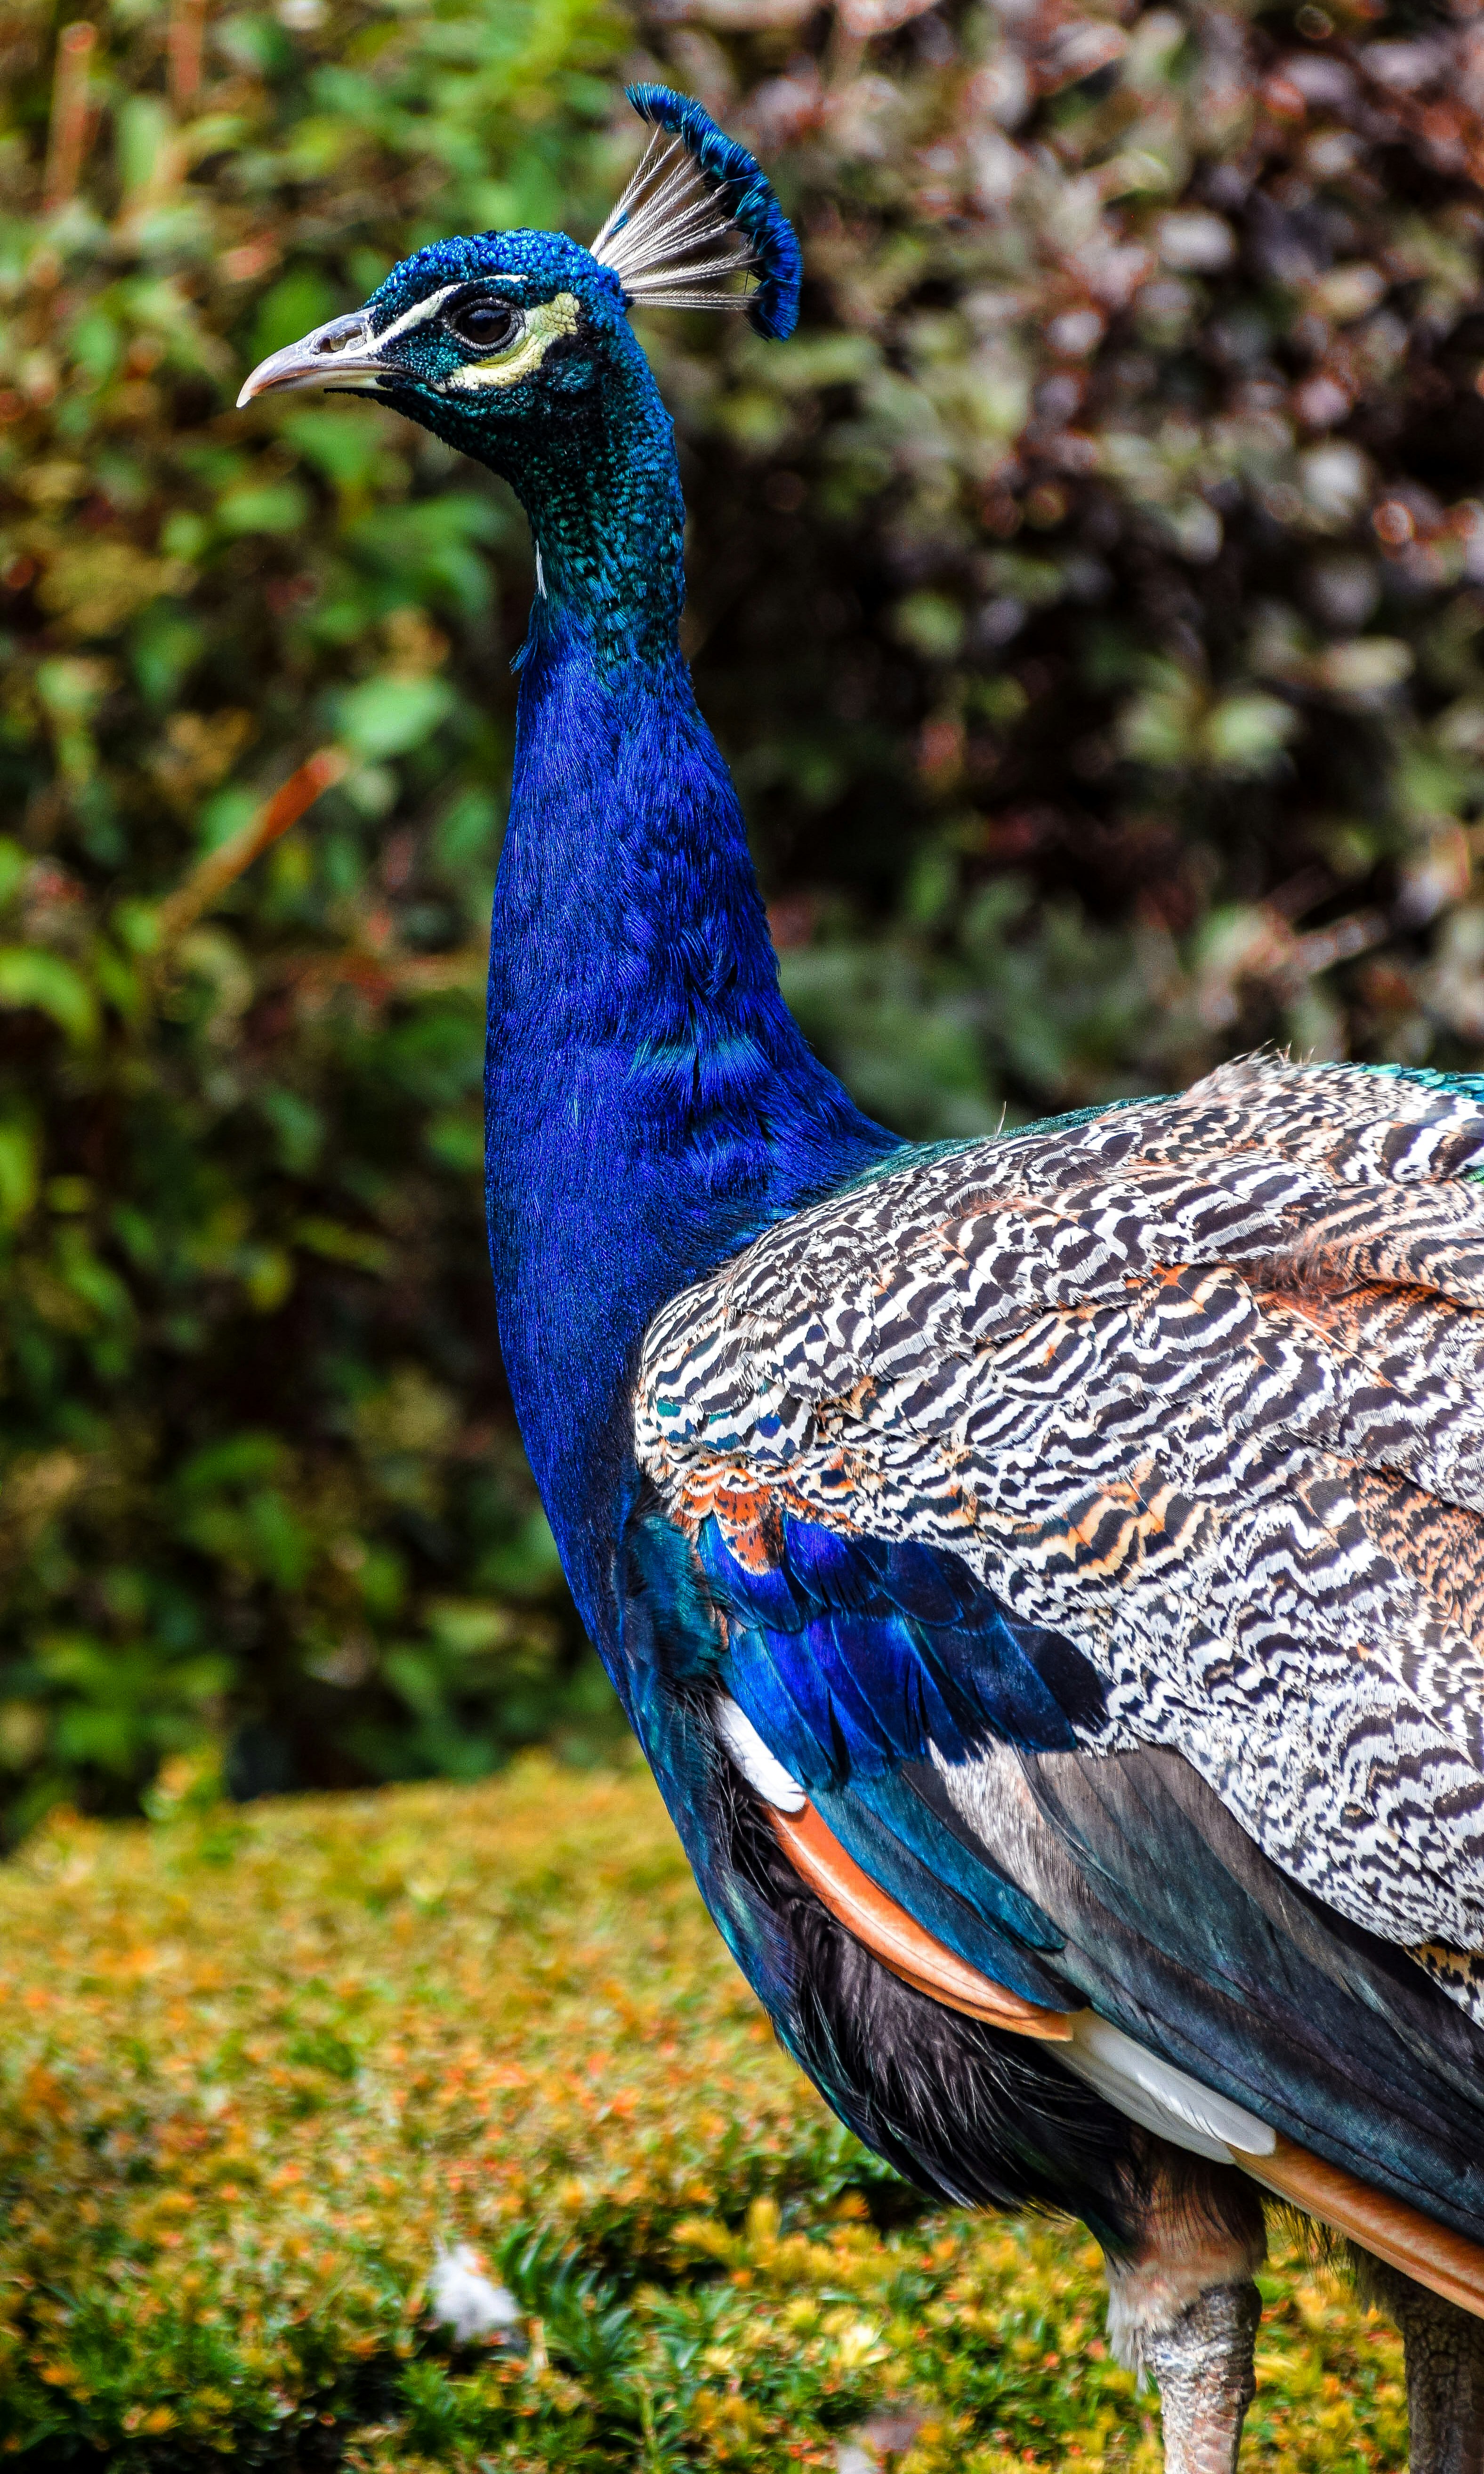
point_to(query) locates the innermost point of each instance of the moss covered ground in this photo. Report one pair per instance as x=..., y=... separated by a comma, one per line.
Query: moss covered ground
x=259, y=2064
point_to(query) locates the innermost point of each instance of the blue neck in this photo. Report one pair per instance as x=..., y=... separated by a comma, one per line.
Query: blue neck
x=652, y=1102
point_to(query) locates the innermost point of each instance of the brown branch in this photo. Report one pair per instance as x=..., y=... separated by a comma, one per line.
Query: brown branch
x=187, y=25
x=210, y=877
x=67, y=140
x=1340, y=942
x=384, y=977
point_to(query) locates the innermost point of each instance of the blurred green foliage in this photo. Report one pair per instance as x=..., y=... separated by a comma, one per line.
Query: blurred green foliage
x=1089, y=598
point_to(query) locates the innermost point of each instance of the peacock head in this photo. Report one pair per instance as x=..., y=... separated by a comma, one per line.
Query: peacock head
x=516, y=347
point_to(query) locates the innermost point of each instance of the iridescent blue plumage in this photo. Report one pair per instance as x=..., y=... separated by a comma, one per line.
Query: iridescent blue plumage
x=851, y=1654
x=1047, y=1577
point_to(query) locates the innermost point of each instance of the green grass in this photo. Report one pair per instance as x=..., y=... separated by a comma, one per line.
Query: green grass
x=257, y=2064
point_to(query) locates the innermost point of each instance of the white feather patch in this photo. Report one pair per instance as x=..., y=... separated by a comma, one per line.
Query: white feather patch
x=658, y=235
x=767, y=1777
x=1158, y=2096
x=461, y=2296
x=417, y=316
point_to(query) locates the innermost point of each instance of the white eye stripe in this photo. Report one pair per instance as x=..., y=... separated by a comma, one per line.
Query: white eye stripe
x=417, y=316
x=421, y=310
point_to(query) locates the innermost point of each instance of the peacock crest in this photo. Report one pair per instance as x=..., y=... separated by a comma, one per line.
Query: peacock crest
x=697, y=212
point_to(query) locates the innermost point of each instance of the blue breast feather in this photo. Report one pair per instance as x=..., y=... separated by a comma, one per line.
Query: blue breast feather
x=851, y=1655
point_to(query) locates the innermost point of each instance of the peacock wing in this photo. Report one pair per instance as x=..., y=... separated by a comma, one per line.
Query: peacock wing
x=1158, y=1431
x=1106, y=1906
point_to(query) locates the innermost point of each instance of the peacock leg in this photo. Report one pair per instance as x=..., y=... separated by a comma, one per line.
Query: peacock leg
x=1202, y=2364
x=1184, y=2307
x=1445, y=2372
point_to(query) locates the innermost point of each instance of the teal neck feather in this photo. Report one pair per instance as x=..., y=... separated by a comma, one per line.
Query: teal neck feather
x=651, y=1101
x=608, y=521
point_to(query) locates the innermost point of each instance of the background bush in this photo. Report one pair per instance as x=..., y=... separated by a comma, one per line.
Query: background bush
x=1088, y=599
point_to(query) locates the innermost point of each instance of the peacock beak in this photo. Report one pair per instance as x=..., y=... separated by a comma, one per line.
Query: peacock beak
x=342, y=353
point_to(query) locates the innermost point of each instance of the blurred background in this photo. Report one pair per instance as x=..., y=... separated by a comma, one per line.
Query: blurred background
x=1090, y=602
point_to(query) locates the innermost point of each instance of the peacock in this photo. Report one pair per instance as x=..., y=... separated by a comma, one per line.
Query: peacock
x=1046, y=1573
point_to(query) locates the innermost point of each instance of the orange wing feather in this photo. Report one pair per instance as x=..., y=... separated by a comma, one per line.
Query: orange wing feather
x=898, y=1942
x=1447, y=2263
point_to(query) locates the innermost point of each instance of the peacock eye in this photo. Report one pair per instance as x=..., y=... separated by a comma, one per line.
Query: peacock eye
x=486, y=324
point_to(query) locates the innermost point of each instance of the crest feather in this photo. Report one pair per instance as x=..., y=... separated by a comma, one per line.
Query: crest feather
x=697, y=211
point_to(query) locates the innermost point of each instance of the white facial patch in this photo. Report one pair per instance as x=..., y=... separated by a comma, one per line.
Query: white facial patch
x=417, y=316
x=543, y=325
x=421, y=310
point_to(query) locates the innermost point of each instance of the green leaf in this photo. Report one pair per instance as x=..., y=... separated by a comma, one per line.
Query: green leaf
x=387, y=715
x=1248, y=733
x=31, y=977
x=236, y=1461
x=456, y=1140
x=17, y=1170
x=343, y=440
x=337, y=1243
x=15, y=864
x=263, y=507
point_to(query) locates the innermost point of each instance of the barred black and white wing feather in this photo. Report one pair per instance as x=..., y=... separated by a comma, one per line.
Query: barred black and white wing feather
x=1191, y=1390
